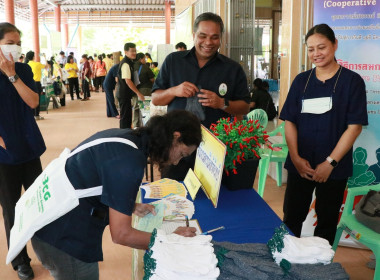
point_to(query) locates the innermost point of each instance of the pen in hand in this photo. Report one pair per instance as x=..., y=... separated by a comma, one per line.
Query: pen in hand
x=212, y=230
x=187, y=221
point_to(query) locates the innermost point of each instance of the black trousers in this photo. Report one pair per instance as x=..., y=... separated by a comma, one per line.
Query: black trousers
x=86, y=88
x=73, y=82
x=99, y=82
x=39, y=91
x=298, y=196
x=125, y=112
x=12, y=178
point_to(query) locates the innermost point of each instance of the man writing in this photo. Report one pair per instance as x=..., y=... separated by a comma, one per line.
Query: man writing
x=219, y=82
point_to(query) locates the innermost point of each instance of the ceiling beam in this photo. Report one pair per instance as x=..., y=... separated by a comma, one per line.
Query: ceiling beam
x=107, y=7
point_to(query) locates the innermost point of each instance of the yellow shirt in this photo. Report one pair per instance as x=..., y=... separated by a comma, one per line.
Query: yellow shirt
x=36, y=69
x=109, y=63
x=72, y=69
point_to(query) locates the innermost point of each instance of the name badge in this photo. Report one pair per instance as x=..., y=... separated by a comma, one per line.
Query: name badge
x=317, y=105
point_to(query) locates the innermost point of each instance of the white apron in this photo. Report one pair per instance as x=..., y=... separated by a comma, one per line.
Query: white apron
x=50, y=197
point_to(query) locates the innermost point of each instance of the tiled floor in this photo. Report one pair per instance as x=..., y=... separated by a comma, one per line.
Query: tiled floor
x=68, y=126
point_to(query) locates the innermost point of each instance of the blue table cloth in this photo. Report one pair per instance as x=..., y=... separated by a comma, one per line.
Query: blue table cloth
x=247, y=218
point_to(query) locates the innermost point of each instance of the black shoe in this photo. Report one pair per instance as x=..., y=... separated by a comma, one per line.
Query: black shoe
x=25, y=272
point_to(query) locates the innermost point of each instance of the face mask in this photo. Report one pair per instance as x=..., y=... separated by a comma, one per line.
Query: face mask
x=317, y=105
x=14, y=50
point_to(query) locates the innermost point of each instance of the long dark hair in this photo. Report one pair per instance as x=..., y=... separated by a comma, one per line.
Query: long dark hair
x=161, y=128
x=322, y=29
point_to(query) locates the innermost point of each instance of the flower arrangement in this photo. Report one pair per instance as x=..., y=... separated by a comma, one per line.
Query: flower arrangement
x=242, y=138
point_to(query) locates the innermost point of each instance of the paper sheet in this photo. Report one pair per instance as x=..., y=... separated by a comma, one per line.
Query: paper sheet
x=150, y=222
x=192, y=183
x=176, y=207
x=171, y=226
x=163, y=188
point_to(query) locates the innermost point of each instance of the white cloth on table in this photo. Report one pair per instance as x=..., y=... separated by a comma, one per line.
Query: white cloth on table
x=185, y=258
x=305, y=250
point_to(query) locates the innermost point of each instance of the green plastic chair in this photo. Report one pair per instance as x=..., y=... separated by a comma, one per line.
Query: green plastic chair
x=260, y=115
x=268, y=155
x=355, y=229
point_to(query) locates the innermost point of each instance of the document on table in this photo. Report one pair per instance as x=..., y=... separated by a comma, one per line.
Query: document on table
x=150, y=222
x=170, y=226
x=164, y=187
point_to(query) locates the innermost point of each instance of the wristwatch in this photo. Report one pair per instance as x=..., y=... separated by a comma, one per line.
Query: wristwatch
x=333, y=162
x=13, y=79
x=226, y=104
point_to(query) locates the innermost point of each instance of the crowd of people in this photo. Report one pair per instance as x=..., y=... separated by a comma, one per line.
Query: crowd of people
x=197, y=88
x=91, y=74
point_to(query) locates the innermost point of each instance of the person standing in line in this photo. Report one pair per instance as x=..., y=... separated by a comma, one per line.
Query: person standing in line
x=85, y=75
x=100, y=73
x=21, y=142
x=37, y=68
x=203, y=77
x=72, y=69
x=92, y=68
x=62, y=59
x=109, y=85
x=324, y=112
x=108, y=60
x=127, y=87
x=146, y=79
x=146, y=75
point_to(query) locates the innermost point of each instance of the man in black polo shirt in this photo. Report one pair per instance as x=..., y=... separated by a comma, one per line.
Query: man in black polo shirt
x=127, y=87
x=219, y=82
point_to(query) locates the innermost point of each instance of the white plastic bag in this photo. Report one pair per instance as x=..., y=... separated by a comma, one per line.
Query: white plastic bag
x=48, y=198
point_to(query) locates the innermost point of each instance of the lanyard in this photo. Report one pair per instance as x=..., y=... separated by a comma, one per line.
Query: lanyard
x=340, y=70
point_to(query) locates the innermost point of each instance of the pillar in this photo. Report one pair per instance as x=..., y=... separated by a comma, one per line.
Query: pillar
x=65, y=34
x=57, y=18
x=168, y=14
x=9, y=7
x=295, y=22
x=35, y=33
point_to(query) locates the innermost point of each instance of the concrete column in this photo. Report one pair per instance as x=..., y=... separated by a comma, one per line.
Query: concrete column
x=80, y=40
x=294, y=28
x=9, y=7
x=65, y=34
x=167, y=20
x=57, y=18
x=35, y=32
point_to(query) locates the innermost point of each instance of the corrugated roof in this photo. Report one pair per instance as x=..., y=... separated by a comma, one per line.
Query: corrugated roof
x=139, y=12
